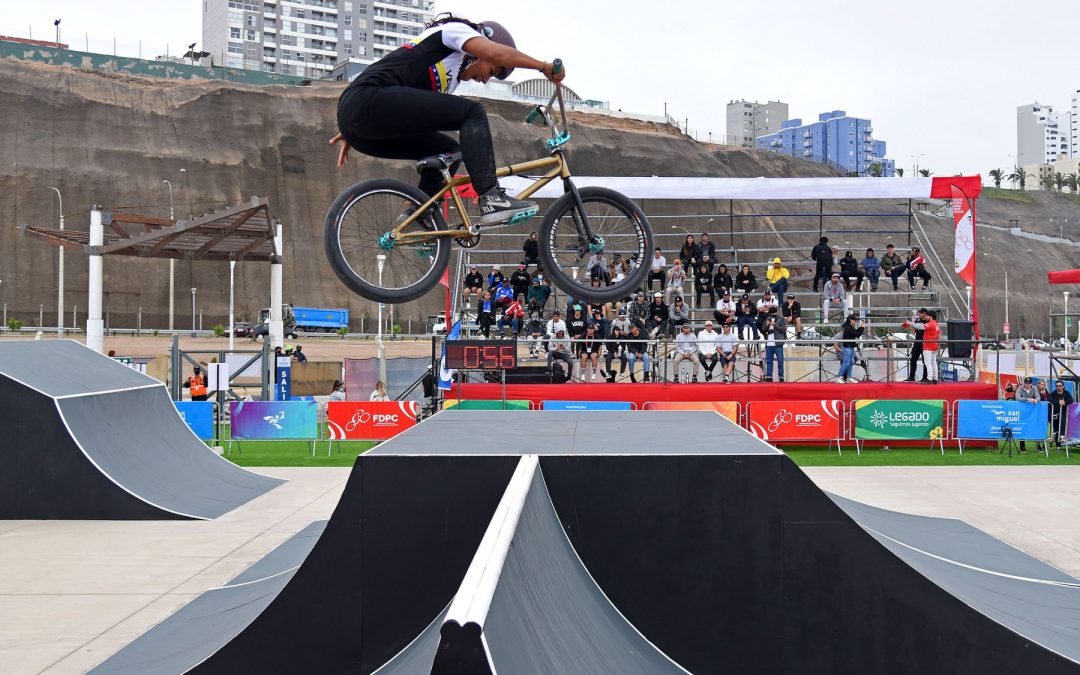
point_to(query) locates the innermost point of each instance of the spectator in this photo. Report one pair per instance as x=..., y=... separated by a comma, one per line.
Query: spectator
x=792, y=313
x=520, y=280
x=658, y=316
x=598, y=269
x=708, y=251
x=679, y=315
x=686, y=350
x=560, y=351
x=196, y=384
x=541, y=276
x=1026, y=393
x=767, y=302
x=725, y=309
x=555, y=324
x=890, y=262
x=729, y=349
x=637, y=348
x=849, y=269
x=775, y=330
x=849, y=339
x=915, y=358
x=833, y=296
x=534, y=329
x=657, y=263
x=872, y=268
x=746, y=315
x=916, y=269
x=486, y=316
x=745, y=281
x=690, y=253
x=778, y=276
x=338, y=391
x=538, y=293
x=504, y=293
x=639, y=311
x=722, y=280
x=576, y=323
x=1060, y=399
x=496, y=277
x=299, y=354
x=676, y=277
x=615, y=348
x=599, y=321
x=512, y=318
x=621, y=322
x=531, y=248
x=588, y=351
x=703, y=284
x=823, y=257
x=706, y=343
x=931, y=334
x=473, y=285
x=379, y=393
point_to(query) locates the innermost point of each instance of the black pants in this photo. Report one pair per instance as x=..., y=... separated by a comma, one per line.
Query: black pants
x=404, y=123
x=916, y=359
x=822, y=272
x=658, y=276
x=912, y=275
x=699, y=289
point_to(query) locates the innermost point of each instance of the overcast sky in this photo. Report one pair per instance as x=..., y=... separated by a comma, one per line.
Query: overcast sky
x=940, y=78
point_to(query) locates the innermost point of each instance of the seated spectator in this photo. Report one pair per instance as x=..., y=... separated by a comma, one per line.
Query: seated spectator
x=520, y=280
x=686, y=349
x=597, y=266
x=486, y=316
x=916, y=269
x=849, y=269
x=728, y=350
x=534, y=329
x=778, y=276
x=576, y=322
x=657, y=268
x=559, y=350
x=588, y=351
x=703, y=283
x=708, y=251
x=768, y=301
x=531, y=248
x=690, y=253
x=473, y=285
x=678, y=315
x=725, y=309
x=833, y=296
x=555, y=324
x=298, y=354
x=496, y=277
x=599, y=321
x=775, y=331
x=890, y=264
x=620, y=322
x=538, y=293
x=338, y=392
x=746, y=316
x=504, y=293
x=872, y=267
x=676, y=277
x=792, y=313
x=638, y=313
x=512, y=318
x=614, y=348
x=745, y=281
x=637, y=349
x=722, y=279
x=658, y=316
x=706, y=344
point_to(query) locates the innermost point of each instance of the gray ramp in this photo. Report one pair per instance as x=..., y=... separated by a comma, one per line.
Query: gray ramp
x=192, y=634
x=419, y=655
x=65, y=368
x=558, y=432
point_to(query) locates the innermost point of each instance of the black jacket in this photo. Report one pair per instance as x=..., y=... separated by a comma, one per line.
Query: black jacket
x=660, y=310
x=744, y=283
x=822, y=253
x=850, y=334
x=708, y=249
x=722, y=280
x=531, y=248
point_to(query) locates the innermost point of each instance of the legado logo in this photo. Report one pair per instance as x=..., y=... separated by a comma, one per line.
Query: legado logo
x=879, y=419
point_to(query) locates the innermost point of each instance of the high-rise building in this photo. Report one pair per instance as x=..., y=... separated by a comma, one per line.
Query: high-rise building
x=1072, y=129
x=308, y=37
x=1040, y=138
x=746, y=121
x=843, y=142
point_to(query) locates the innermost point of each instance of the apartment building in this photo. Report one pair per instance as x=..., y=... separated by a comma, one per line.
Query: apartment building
x=309, y=38
x=837, y=139
x=746, y=121
x=1040, y=135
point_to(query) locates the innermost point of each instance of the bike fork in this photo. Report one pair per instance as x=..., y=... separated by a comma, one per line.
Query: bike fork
x=587, y=240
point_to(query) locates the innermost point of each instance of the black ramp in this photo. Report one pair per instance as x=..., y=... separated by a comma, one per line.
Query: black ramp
x=65, y=367
x=208, y=622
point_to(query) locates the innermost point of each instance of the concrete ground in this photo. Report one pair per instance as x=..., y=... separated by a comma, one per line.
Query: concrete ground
x=74, y=592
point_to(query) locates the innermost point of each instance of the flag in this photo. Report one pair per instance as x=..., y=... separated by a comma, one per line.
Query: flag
x=446, y=376
x=445, y=281
x=965, y=237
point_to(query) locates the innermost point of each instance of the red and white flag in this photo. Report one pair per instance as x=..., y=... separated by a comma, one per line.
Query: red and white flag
x=965, y=237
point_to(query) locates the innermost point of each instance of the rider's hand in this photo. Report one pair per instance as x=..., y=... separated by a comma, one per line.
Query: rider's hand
x=549, y=73
x=343, y=151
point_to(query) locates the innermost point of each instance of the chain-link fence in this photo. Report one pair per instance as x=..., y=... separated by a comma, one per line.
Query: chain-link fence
x=402, y=372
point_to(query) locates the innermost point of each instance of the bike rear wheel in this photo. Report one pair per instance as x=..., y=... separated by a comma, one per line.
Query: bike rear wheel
x=614, y=217
x=357, y=230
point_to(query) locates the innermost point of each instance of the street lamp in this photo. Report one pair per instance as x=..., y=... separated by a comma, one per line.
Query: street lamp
x=381, y=258
x=193, y=333
x=915, y=159
x=60, y=262
x=172, y=261
x=1065, y=325
x=57, y=24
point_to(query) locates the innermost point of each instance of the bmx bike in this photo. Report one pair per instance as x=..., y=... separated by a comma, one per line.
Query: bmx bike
x=389, y=242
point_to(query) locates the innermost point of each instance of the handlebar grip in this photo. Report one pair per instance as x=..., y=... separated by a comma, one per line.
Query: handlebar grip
x=556, y=66
x=534, y=114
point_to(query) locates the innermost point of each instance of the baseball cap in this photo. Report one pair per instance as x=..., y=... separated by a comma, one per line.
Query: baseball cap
x=622, y=312
x=836, y=274
x=473, y=267
x=496, y=267
x=658, y=294
x=708, y=323
x=556, y=313
x=791, y=295
x=923, y=310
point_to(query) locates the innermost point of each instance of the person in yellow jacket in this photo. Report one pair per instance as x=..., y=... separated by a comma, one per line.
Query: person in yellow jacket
x=777, y=276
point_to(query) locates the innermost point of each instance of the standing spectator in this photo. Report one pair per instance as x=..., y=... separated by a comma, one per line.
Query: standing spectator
x=823, y=257
x=379, y=393
x=512, y=318
x=538, y=293
x=708, y=250
x=872, y=267
x=725, y=309
x=746, y=315
x=639, y=311
x=775, y=330
x=703, y=284
x=520, y=280
x=338, y=391
x=849, y=339
x=560, y=351
x=931, y=334
x=849, y=269
x=531, y=248
x=792, y=313
x=686, y=350
x=916, y=269
x=196, y=384
x=707, y=341
x=690, y=253
x=658, y=315
x=588, y=351
x=890, y=264
x=676, y=277
x=1026, y=393
x=299, y=355
x=678, y=315
x=486, y=316
x=504, y=293
x=637, y=349
x=1060, y=399
x=496, y=277
x=615, y=348
x=745, y=281
x=777, y=275
x=833, y=296
x=729, y=349
x=722, y=280
x=915, y=358
x=657, y=263
x=474, y=284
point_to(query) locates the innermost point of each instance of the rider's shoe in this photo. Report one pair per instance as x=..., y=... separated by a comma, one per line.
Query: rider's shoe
x=496, y=208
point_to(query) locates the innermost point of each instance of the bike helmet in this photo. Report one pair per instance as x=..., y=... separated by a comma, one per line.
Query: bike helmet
x=494, y=31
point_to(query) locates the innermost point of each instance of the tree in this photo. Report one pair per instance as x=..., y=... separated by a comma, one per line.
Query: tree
x=1060, y=181
x=1018, y=177
x=874, y=170
x=899, y=172
x=998, y=175
x=925, y=173
x=1073, y=181
x=1047, y=181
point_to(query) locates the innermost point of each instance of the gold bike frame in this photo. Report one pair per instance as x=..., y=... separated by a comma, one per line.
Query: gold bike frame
x=558, y=169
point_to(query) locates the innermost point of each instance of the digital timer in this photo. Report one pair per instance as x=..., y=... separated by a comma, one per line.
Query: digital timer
x=481, y=354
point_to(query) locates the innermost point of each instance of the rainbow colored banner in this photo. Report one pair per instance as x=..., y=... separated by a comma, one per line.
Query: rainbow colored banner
x=729, y=409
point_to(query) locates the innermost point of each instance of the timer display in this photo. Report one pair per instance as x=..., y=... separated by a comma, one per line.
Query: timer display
x=481, y=354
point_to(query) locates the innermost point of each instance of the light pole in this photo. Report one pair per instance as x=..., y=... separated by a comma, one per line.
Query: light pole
x=381, y=258
x=172, y=262
x=1065, y=323
x=915, y=159
x=57, y=24
x=60, y=261
x=193, y=333
x=1006, y=304
x=232, y=279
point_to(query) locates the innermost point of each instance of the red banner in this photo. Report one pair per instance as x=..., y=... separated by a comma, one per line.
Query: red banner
x=795, y=420
x=369, y=420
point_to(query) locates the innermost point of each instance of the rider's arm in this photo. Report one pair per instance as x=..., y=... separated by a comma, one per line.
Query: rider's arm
x=509, y=57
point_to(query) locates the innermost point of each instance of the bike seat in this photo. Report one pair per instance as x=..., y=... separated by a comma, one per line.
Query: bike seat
x=438, y=163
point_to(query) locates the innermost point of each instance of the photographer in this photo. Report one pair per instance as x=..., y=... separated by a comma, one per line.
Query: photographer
x=850, y=332
x=775, y=330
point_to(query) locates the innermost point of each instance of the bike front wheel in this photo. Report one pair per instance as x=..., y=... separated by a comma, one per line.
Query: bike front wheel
x=357, y=231
x=623, y=229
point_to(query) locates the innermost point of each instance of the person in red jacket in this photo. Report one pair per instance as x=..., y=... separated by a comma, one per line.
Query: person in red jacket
x=927, y=323
x=513, y=317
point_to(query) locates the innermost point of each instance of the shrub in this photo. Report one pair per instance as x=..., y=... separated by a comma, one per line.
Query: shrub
x=219, y=330
x=14, y=324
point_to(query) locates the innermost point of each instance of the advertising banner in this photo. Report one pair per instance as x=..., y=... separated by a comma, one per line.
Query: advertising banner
x=199, y=416
x=484, y=404
x=1072, y=429
x=795, y=420
x=729, y=409
x=274, y=420
x=899, y=420
x=587, y=405
x=283, y=378
x=987, y=419
x=369, y=420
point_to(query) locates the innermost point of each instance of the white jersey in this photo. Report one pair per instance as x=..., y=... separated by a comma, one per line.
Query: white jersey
x=553, y=326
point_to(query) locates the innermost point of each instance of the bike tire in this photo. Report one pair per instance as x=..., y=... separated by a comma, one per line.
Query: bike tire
x=339, y=262
x=565, y=206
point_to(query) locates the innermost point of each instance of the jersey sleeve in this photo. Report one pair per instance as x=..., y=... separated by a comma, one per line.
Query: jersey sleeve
x=455, y=35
